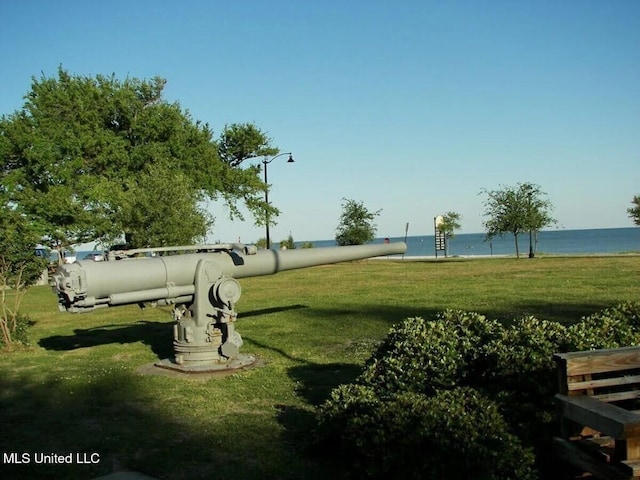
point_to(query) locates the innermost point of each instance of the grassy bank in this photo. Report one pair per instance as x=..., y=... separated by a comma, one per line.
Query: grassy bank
x=78, y=390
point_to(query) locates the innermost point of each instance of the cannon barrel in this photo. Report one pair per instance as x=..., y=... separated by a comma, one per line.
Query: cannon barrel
x=86, y=285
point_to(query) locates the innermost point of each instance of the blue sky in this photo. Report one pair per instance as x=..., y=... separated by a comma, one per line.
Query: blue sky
x=411, y=107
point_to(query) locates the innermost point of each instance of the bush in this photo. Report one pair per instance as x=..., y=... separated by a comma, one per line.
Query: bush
x=614, y=327
x=454, y=434
x=444, y=398
x=424, y=356
x=416, y=356
x=519, y=374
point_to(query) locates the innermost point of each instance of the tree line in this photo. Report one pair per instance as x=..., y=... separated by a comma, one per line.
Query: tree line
x=514, y=210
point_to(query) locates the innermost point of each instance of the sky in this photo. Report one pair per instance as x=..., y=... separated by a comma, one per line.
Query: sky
x=411, y=107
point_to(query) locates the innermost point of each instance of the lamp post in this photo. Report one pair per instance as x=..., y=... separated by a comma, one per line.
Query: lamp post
x=266, y=162
x=530, y=216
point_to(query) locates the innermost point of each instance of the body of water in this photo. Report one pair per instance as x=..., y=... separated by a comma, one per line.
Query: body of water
x=554, y=242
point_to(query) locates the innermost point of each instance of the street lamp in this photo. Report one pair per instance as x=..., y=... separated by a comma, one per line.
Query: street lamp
x=266, y=162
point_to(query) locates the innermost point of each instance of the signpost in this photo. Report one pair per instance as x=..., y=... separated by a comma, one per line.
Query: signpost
x=406, y=231
x=440, y=240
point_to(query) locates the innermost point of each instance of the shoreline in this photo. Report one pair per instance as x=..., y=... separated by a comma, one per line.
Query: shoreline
x=522, y=256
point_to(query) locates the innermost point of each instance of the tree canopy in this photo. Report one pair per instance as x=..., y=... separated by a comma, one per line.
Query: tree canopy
x=240, y=142
x=523, y=208
x=634, y=212
x=92, y=158
x=356, y=225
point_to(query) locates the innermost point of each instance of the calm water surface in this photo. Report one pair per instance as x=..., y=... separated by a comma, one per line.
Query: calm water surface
x=558, y=242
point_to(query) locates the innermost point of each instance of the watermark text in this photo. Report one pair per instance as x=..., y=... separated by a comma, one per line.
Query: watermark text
x=41, y=458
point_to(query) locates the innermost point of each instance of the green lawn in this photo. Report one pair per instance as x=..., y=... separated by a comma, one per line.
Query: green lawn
x=78, y=390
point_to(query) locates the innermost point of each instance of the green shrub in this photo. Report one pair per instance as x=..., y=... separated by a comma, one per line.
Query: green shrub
x=472, y=331
x=416, y=356
x=442, y=397
x=424, y=356
x=614, y=327
x=454, y=434
x=520, y=374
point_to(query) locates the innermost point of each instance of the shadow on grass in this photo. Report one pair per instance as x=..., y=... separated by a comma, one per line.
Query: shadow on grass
x=267, y=311
x=315, y=382
x=565, y=313
x=157, y=335
x=113, y=417
x=279, y=351
x=388, y=314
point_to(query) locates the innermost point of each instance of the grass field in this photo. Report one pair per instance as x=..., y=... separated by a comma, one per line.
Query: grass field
x=77, y=389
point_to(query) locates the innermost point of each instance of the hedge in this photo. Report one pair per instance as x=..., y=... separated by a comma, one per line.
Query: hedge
x=461, y=395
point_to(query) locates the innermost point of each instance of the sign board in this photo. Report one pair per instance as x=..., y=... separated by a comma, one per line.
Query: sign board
x=440, y=240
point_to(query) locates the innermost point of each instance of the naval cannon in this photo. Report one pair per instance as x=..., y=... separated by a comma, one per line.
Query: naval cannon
x=200, y=283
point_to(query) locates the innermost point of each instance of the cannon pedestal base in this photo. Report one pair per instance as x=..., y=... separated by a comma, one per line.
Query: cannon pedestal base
x=237, y=363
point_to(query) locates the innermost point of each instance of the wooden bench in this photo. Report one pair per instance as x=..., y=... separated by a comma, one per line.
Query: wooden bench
x=599, y=392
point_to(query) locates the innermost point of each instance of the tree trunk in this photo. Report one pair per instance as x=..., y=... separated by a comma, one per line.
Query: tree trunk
x=515, y=236
x=531, y=252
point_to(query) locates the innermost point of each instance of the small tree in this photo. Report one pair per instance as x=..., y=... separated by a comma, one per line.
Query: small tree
x=538, y=214
x=288, y=243
x=634, y=212
x=19, y=268
x=356, y=225
x=516, y=210
x=450, y=223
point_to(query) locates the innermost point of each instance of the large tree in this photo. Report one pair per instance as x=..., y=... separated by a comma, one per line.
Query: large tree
x=634, y=212
x=92, y=158
x=356, y=225
x=515, y=210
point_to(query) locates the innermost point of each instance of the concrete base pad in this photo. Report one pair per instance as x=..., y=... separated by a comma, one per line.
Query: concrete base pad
x=168, y=367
